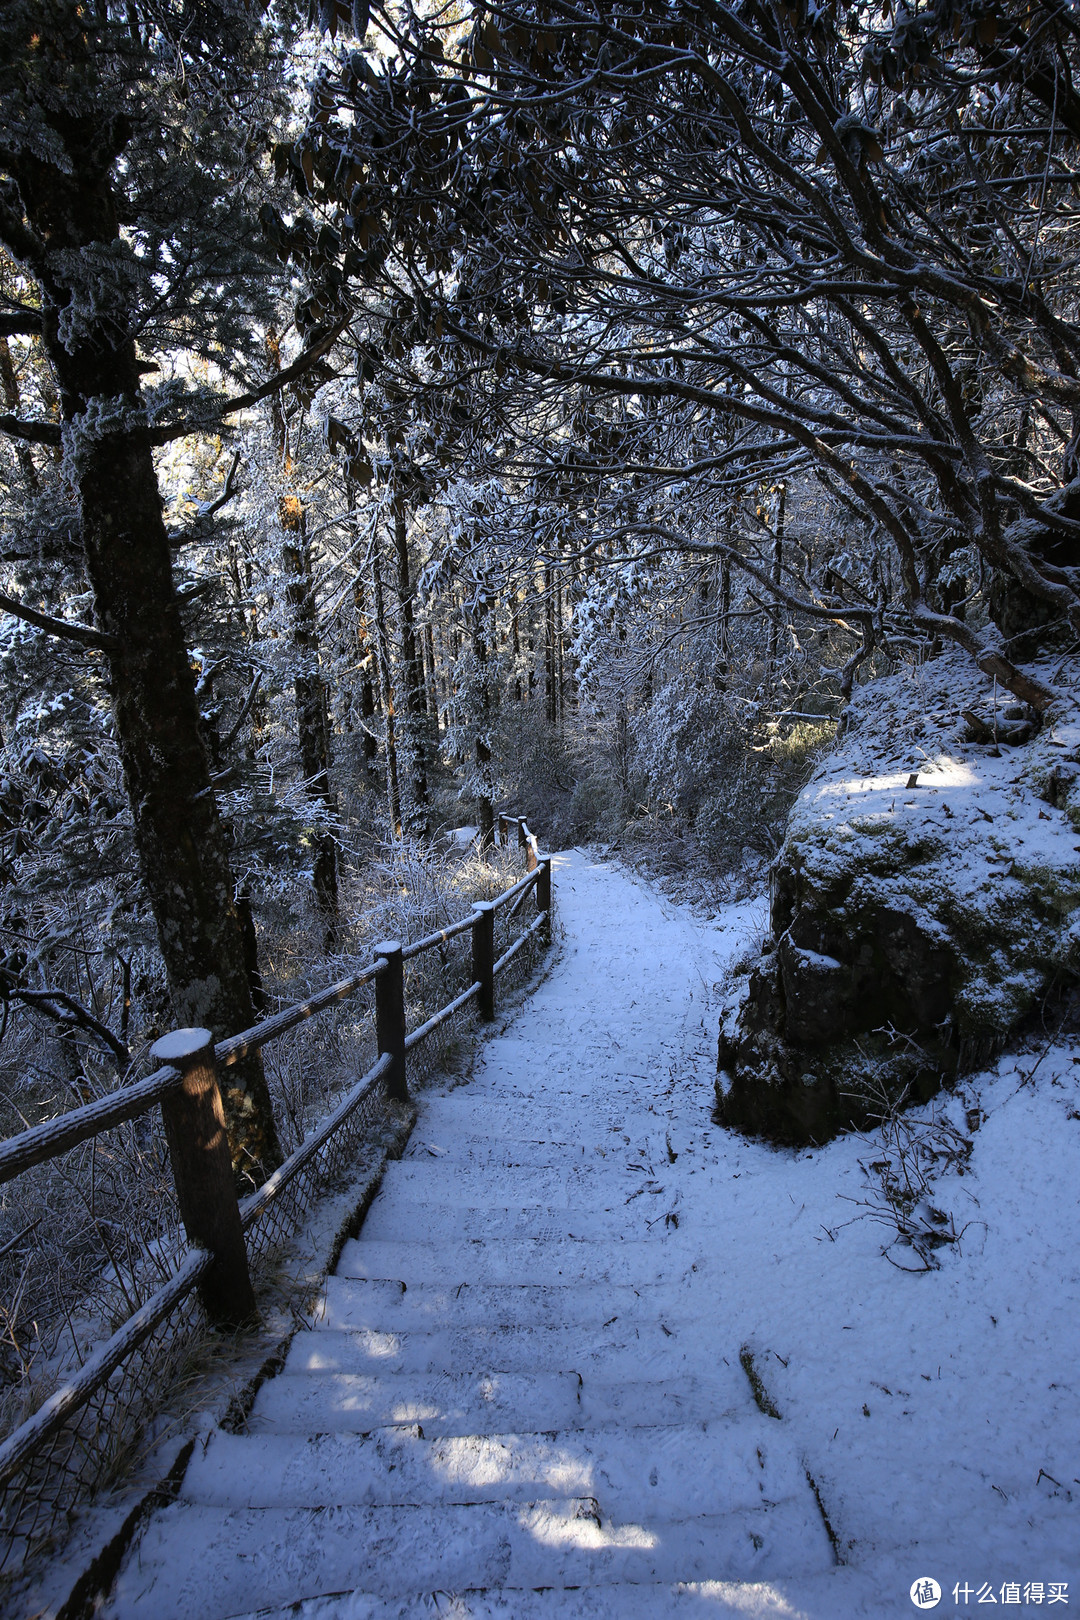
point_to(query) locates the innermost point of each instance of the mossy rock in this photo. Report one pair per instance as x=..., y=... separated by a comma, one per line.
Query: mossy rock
x=914, y=928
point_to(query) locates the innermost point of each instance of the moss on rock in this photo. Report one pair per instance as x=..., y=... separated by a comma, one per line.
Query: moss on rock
x=914, y=925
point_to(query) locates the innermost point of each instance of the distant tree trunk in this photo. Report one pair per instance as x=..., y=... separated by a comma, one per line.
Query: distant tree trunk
x=724, y=625
x=9, y=384
x=364, y=655
x=551, y=691
x=431, y=681
x=178, y=831
x=515, y=643
x=775, y=615
x=412, y=674
x=483, y=719
x=368, y=676
x=386, y=692
x=312, y=709
x=560, y=649
x=309, y=688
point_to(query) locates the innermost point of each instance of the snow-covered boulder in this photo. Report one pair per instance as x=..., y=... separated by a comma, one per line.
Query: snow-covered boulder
x=924, y=903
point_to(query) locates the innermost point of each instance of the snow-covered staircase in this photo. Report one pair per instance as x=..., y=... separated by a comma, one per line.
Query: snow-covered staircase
x=519, y=1388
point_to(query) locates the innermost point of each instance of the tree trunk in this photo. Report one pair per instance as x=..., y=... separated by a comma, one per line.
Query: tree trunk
x=386, y=692
x=178, y=831
x=431, y=676
x=309, y=688
x=412, y=674
x=482, y=750
x=366, y=656
x=775, y=614
x=9, y=383
x=312, y=714
x=551, y=694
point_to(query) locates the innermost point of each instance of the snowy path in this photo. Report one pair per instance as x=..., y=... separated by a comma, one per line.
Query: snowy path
x=525, y=1388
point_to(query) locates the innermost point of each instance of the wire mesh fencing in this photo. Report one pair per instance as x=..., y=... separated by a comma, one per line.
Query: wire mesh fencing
x=84, y=1412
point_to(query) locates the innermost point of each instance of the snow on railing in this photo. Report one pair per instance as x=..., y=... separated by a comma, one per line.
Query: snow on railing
x=70, y=1446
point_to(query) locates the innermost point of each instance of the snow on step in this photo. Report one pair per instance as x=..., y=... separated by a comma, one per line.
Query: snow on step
x=388, y=1305
x=544, y=1117
x=501, y=1152
x=522, y=1384
x=444, y=1403
x=842, y=1594
x=704, y=1468
x=617, y=1352
x=393, y=1217
x=550, y=1186
x=253, y=1557
x=511, y=1260
x=478, y=1403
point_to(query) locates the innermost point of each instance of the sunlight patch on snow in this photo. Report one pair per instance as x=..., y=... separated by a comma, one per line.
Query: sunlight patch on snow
x=940, y=772
x=405, y=1411
x=557, y=1530
x=556, y=1467
x=758, y=1602
x=379, y=1344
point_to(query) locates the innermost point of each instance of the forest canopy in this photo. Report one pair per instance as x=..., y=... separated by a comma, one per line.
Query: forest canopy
x=411, y=413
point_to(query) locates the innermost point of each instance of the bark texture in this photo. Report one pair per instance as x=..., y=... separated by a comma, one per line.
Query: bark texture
x=109, y=457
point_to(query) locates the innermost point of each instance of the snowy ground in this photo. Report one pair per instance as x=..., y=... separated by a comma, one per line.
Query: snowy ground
x=557, y=1398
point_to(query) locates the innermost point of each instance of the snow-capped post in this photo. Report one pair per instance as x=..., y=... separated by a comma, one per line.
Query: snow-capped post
x=390, y=1016
x=202, y=1171
x=543, y=891
x=523, y=842
x=483, y=957
x=502, y=830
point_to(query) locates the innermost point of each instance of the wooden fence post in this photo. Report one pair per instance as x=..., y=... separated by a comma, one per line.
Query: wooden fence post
x=483, y=957
x=543, y=887
x=523, y=842
x=202, y=1170
x=503, y=840
x=390, y=1016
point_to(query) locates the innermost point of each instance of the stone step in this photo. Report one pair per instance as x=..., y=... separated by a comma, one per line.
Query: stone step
x=394, y=1217
x=473, y=1186
x=456, y=1154
x=429, y=1146
x=644, y=1351
x=843, y=1594
x=463, y=1403
x=389, y=1306
x=518, y=1260
x=488, y=1112
x=197, y=1561
x=637, y=1473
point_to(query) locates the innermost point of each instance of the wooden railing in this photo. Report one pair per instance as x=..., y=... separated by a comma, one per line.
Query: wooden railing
x=219, y=1228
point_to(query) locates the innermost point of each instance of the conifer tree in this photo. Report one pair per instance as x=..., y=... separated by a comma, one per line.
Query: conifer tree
x=128, y=202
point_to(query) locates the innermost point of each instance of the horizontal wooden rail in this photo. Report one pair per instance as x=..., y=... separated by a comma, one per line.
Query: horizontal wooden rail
x=99, y=1367
x=252, y=1206
x=250, y=1040
x=56, y=1136
x=187, y=1088
x=429, y=941
x=521, y=887
x=523, y=939
x=440, y=1017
